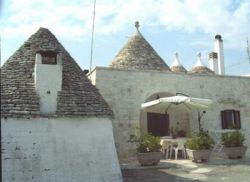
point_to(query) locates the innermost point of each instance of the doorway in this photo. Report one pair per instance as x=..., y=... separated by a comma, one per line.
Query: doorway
x=158, y=124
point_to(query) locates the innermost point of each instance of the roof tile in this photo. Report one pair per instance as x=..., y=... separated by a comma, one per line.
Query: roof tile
x=78, y=97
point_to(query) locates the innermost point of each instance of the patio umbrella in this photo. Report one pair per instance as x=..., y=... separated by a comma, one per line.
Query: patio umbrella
x=162, y=105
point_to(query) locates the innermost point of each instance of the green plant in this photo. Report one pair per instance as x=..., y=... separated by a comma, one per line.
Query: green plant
x=200, y=141
x=145, y=142
x=233, y=139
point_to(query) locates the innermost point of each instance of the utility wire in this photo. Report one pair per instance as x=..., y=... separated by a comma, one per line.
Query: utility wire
x=92, y=38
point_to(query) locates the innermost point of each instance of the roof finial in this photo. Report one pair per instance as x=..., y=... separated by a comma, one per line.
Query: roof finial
x=176, y=55
x=137, y=25
x=199, y=62
x=199, y=55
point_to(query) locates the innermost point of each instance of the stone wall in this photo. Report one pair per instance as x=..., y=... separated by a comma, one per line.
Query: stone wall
x=59, y=150
x=125, y=91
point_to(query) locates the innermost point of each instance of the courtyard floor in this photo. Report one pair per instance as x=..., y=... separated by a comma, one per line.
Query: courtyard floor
x=237, y=170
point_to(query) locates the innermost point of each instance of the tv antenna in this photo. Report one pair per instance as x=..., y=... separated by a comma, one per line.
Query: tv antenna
x=248, y=51
x=92, y=37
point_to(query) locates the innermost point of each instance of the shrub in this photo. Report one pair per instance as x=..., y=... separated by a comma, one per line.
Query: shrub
x=146, y=142
x=200, y=141
x=234, y=139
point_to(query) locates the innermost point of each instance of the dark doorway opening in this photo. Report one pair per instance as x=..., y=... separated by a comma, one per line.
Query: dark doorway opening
x=158, y=124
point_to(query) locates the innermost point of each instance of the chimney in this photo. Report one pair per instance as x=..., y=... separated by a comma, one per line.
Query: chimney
x=48, y=79
x=213, y=62
x=218, y=48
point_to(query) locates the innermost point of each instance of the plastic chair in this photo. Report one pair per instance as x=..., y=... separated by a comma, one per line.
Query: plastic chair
x=181, y=147
x=167, y=148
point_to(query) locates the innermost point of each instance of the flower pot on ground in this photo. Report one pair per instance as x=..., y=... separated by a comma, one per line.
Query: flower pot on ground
x=199, y=147
x=233, y=143
x=149, y=158
x=148, y=148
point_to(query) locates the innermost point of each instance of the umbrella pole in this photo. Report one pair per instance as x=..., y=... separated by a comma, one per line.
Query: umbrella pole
x=200, y=115
x=199, y=120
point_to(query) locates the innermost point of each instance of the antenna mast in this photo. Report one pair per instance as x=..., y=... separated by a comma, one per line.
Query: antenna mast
x=92, y=37
x=0, y=50
x=248, y=51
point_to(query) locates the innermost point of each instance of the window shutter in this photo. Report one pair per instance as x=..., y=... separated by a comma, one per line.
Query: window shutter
x=237, y=122
x=223, y=120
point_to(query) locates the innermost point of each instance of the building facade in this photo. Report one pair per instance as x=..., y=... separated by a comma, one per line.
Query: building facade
x=138, y=74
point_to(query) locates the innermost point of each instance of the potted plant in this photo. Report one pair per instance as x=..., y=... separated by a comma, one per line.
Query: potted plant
x=233, y=144
x=148, y=148
x=199, y=147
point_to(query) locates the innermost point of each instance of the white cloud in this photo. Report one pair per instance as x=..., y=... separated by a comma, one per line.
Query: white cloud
x=72, y=19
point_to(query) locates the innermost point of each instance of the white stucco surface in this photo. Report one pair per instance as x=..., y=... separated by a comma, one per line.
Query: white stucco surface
x=213, y=65
x=48, y=81
x=125, y=91
x=59, y=150
x=218, y=47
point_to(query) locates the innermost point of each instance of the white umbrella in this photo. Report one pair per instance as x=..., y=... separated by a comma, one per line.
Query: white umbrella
x=162, y=105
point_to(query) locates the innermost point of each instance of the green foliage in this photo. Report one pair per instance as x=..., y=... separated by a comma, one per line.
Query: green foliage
x=145, y=142
x=233, y=139
x=200, y=141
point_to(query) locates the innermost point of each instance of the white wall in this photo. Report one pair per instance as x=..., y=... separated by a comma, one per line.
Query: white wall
x=48, y=81
x=125, y=91
x=218, y=47
x=59, y=150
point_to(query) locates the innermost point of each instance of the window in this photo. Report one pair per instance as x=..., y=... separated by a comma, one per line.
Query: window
x=230, y=119
x=48, y=57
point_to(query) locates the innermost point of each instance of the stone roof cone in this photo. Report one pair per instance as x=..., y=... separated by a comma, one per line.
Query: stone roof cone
x=177, y=66
x=138, y=54
x=199, y=67
x=77, y=98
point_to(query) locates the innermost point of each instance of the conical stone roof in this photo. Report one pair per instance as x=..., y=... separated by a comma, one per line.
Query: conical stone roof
x=78, y=97
x=177, y=66
x=138, y=54
x=200, y=68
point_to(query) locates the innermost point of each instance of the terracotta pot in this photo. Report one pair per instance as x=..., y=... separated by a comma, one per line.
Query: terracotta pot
x=198, y=155
x=149, y=158
x=235, y=152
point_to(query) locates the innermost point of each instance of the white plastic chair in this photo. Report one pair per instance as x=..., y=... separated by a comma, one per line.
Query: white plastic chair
x=167, y=148
x=180, y=146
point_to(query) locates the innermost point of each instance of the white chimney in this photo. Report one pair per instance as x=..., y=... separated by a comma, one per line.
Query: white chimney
x=213, y=62
x=48, y=79
x=218, y=48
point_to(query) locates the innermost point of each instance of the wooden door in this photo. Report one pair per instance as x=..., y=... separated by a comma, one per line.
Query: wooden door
x=158, y=124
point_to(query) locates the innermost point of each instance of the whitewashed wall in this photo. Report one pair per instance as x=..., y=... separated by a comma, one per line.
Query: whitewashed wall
x=59, y=150
x=48, y=81
x=125, y=91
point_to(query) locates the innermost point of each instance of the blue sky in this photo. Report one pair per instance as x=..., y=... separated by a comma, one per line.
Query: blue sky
x=183, y=26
